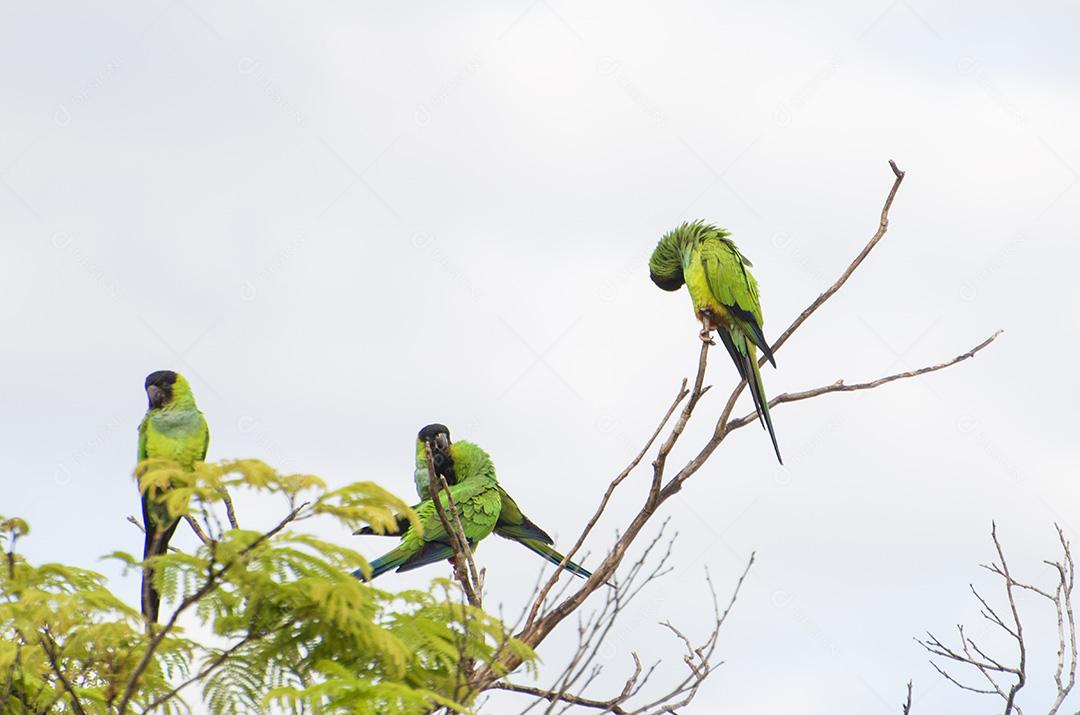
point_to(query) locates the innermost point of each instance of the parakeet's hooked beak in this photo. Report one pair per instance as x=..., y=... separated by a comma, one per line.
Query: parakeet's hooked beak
x=157, y=396
x=442, y=442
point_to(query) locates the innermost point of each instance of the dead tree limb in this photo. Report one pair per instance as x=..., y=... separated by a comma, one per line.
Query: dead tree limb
x=541, y=621
x=993, y=670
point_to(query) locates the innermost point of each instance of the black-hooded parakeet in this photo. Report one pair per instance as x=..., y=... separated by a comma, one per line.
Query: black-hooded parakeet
x=725, y=297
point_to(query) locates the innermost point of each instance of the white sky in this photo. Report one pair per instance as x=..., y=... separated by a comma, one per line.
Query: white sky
x=342, y=223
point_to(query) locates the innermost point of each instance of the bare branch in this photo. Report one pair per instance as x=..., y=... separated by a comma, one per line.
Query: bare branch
x=541, y=622
x=883, y=227
x=1021, y=676
x=907, y=703
x=452, y=525
x=604, y=705
x=230, y=512
x=604, y=501
x=140, y=527
x=841, y=386
x=986, y=665
x=537, y=625
x=197, y=529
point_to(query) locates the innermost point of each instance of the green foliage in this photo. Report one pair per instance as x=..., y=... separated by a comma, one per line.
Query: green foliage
x=287, y=624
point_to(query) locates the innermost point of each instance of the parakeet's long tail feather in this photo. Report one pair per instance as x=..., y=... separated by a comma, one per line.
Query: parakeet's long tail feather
x=404, y=560
x=153, y=545
x=736, y=357
x=525, y=530
x=430, y=553
x=746, y=363
x=386, y=562
x=753, y=331
x=553, y=556
x=761, y=402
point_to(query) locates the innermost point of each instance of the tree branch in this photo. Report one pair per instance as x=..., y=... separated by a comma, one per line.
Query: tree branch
x=972, y=655
x=537, y=625
x=50, y=648
x=608, y=706
x=607, y=497
x=883, y=227
x=141, y=528
x=197, y=529
x=230, y=512
x=215, y=663
x=452, y=524
x=841, y=386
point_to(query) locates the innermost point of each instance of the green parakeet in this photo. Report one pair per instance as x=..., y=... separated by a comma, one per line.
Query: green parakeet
x=453, y=460
x=174, y=430
x=725, y=297
x=478, y=501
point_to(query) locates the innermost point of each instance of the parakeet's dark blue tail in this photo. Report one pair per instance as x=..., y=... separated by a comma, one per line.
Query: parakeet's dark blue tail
x=745, y=360
x=553, y=556
x=155, y=543
x=761, y=402
x=404, y=560
x=384, y=563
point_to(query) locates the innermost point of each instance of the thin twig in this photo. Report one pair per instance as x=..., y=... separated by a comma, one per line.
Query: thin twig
x=608, y=706
x=538, y=626
x=883, y=227
x=1021, y=676
x=141, y=528
x=197, y=529
x=683, y=392
x=50, y=648
x=230, y=512
x=841, y=386
x=987, y=666
x=452, y=525
x=216, y=662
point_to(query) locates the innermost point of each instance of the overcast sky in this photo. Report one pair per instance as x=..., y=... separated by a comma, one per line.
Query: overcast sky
x=345, y=221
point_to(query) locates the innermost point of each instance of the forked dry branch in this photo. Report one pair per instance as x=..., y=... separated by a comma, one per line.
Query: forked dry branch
x=1004, y=679
x=543, y=618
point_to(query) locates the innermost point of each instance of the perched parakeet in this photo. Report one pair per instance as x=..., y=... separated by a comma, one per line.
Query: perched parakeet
x=452, y=460
x=478, y=501
x=173, y=429
x=725, y=297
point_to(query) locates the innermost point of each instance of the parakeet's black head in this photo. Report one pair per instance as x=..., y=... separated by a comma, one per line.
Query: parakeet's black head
x=666, y=262
x=429, y=433
x=438, y=437
x=668, y=284
x=159, y=387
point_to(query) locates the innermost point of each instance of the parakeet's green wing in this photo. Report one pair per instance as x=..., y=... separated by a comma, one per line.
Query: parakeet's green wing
x=735, y=288
x=478, y=505
x=142, y=440
x=478, y=510
x=513, y=524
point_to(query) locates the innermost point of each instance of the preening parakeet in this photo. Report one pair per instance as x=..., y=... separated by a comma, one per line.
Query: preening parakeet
x=725, y=297
x=173, y=429
x=476, y=496
x=453, y=460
